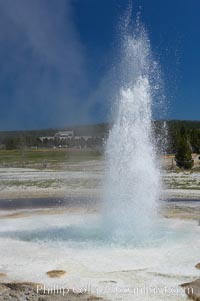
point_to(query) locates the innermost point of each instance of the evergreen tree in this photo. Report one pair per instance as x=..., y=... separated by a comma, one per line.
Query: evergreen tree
x=183, y=156
x=195, y=140
x=12, y=143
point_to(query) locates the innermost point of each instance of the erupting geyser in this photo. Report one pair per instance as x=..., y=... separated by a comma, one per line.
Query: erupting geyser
x=133, y=182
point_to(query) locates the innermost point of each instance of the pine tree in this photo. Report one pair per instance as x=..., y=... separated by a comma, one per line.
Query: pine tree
x=183, y=156
x=195, y=140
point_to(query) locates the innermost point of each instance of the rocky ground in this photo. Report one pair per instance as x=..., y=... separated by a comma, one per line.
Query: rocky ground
x=192, y=289
x=31, y=292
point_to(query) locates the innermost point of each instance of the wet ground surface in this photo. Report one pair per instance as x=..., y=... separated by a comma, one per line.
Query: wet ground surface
x=42, y=234
x=34, y=203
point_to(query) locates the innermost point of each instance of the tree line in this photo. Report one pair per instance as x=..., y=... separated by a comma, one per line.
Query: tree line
x=181, y=138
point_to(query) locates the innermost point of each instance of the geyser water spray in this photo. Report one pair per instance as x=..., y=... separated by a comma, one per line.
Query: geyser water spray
x=132, y=185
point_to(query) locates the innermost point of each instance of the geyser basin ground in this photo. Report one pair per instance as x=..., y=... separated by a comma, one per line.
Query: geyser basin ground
x=36, y=241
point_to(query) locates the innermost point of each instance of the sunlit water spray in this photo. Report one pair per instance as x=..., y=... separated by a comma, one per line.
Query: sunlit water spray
x=132, y=186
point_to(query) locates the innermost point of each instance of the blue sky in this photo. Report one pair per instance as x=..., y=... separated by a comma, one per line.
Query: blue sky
x=55, y=58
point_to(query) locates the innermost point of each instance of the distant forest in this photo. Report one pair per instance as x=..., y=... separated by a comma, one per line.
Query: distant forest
x=178, y=130
x=171, y=131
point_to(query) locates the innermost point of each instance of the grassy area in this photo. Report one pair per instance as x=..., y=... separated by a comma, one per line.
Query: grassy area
x=52, y=156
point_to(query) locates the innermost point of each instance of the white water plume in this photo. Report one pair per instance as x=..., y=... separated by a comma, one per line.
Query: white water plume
x=133, y=179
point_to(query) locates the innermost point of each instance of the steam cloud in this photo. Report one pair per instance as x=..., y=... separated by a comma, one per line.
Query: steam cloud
x=43, y=78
